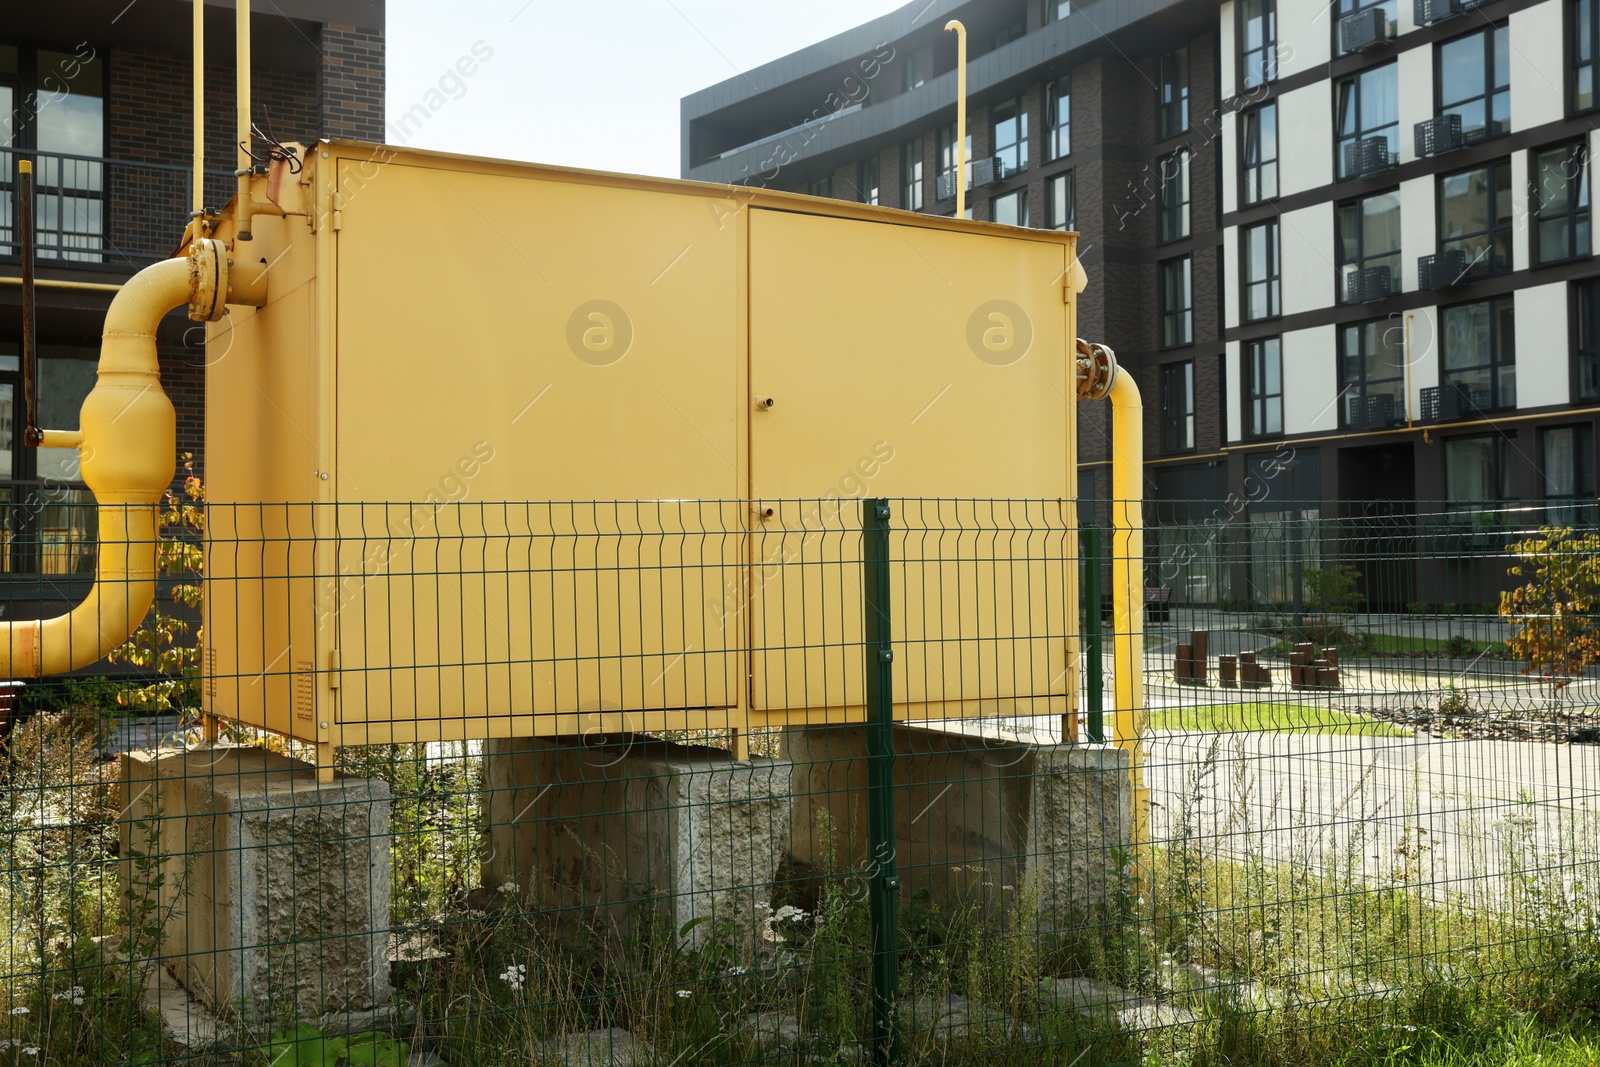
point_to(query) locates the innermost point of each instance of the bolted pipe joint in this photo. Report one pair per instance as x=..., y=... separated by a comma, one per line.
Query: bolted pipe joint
x=1097, y=370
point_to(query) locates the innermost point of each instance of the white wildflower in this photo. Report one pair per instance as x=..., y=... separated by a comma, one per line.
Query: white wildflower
x=75, y=995
x=682, y=993
x=734, y=971
x=19, y=1010
x=31, y=1050
x=1007, y=887
x=516, y=976
x=787, y=912
x=509, y=888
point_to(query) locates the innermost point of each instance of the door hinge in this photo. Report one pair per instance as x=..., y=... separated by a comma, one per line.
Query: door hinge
x=334, y=668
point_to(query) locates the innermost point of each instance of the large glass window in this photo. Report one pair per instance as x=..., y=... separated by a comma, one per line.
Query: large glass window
x=1258, y=248
x=1561, y=202
x=1174, y=90
x=1480, y=354
x=867, y=180
x=1586, y=350
x=1352, y=7
x=1371, y=373
x=1475, y=216
x=53, y=103
x=917, y=69
x=911, y=175
x=1263, y=378
x=1177, y=407
x=947, y=152
x=1568, y=472
x=1177, y=303
x=1012, y=208
x=1260, y=146
x=1259, y=34
x=1009, y=129
x=1056, y=10
x=1474, y=81
x=1060, y=202
x=1477, y=471
x=1369, y=238
x=1585, y=54
x=1368, y=106
x=1058, y=118
x=1175, y=196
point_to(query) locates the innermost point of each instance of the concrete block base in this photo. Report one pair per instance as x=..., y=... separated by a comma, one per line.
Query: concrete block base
x=264, y=892
x=574, y=824
x=978, y=816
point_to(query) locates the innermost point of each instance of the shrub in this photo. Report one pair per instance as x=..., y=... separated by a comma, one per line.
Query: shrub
x=1332, y=589
x=1552, y=612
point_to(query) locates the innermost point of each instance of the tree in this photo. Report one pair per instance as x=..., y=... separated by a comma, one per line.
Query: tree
x=1552, y=613
x=160, y=645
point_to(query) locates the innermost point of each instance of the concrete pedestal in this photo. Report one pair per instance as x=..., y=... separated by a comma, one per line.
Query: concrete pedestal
x=603, y=827
x=975, y=813
x=270, y=890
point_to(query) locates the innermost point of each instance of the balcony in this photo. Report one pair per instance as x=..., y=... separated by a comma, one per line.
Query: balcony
x=1449, y=403
x=1376, y=411
x=108, y=214
x=990, y=170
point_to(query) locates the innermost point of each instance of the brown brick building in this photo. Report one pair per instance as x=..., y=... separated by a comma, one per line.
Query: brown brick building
x=101, y=102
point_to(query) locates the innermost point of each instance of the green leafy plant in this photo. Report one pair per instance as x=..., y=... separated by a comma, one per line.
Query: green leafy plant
x=1552, y=612
x=1333, y=589
x=306, y=1046
x=161, y=647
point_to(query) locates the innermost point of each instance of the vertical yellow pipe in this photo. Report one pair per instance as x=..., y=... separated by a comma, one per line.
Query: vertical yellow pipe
x=198, y=205
x=1127, y=590
x=961, y=114
x=241, y=61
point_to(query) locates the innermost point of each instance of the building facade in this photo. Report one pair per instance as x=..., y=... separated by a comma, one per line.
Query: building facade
x=102, y=107
x=1345, y=249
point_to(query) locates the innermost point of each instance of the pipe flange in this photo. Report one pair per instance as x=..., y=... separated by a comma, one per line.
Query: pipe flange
x=208, y=280
x=1097, y=370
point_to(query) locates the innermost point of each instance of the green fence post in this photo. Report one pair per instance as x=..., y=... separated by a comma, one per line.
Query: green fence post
x=1093, y=639
x=882, y=889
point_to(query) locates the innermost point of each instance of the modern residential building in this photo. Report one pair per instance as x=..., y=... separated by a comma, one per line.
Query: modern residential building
x=102, y=106
x=1345, y=248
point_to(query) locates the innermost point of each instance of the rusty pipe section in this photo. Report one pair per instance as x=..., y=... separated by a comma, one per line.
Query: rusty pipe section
x=127, y=447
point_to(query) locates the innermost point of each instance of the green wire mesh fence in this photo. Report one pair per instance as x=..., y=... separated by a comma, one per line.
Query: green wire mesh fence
x=812, y=782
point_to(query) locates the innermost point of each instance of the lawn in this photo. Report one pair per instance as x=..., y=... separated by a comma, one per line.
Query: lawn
x=1264, y=715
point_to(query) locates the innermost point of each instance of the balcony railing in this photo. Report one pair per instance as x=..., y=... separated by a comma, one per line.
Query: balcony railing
x=108, y=213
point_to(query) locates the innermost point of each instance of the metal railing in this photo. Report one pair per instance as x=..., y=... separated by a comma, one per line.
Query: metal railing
x=94, y=211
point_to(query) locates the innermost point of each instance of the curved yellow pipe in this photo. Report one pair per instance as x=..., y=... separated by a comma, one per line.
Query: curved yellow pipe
x=1127, y=585
x=127, y=451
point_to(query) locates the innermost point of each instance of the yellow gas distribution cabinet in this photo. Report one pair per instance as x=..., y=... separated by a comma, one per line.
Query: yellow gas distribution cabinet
x=450, y=350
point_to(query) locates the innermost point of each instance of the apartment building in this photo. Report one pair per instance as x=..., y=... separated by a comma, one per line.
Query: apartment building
x=1345, y=248
x=100, y=101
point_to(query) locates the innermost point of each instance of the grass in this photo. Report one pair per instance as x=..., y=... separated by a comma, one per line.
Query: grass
x=1258, y=716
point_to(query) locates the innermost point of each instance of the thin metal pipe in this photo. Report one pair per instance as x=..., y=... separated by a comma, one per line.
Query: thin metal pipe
x=960, y=176
x=1127, y=589
x=241, y=61
x=30, y=325
x=198, y=197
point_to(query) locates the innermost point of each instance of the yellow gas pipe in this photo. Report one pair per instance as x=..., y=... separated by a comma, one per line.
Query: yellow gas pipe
x=127, y=443
x=955, y=26
x=1098, y=377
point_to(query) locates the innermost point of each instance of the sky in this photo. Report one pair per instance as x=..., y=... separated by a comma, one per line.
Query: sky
x=584, y=83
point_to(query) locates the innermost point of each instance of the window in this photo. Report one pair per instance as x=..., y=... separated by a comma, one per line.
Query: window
x=1260, y=164
x=1058, y=118
x=1056, y=10
x=911, y=175
x=1011, y=31
x=1177, y=303
x=1009, y=126
x=947, y=153
x=1369, y=240
x=50, y=527
x=1259, y=260
x=1352, y=7
x=867, y=180
x=1479, y=342
x=1263, y=383
x=1585, y=55
x=1477, y=471
x=1475, y=216
x=1568, y=473
x=1561, y=202
x=1175, y=196
x=917, y=69
x=1177, y=407
x=1260, y=38
x=1474, y=81
x=1586, y=310
x=820, y=186
x=1012, y=208
x=1174, y=102
x=1060, y=203
x=54, y=103
x=1368, y=106
x=1371, y=374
